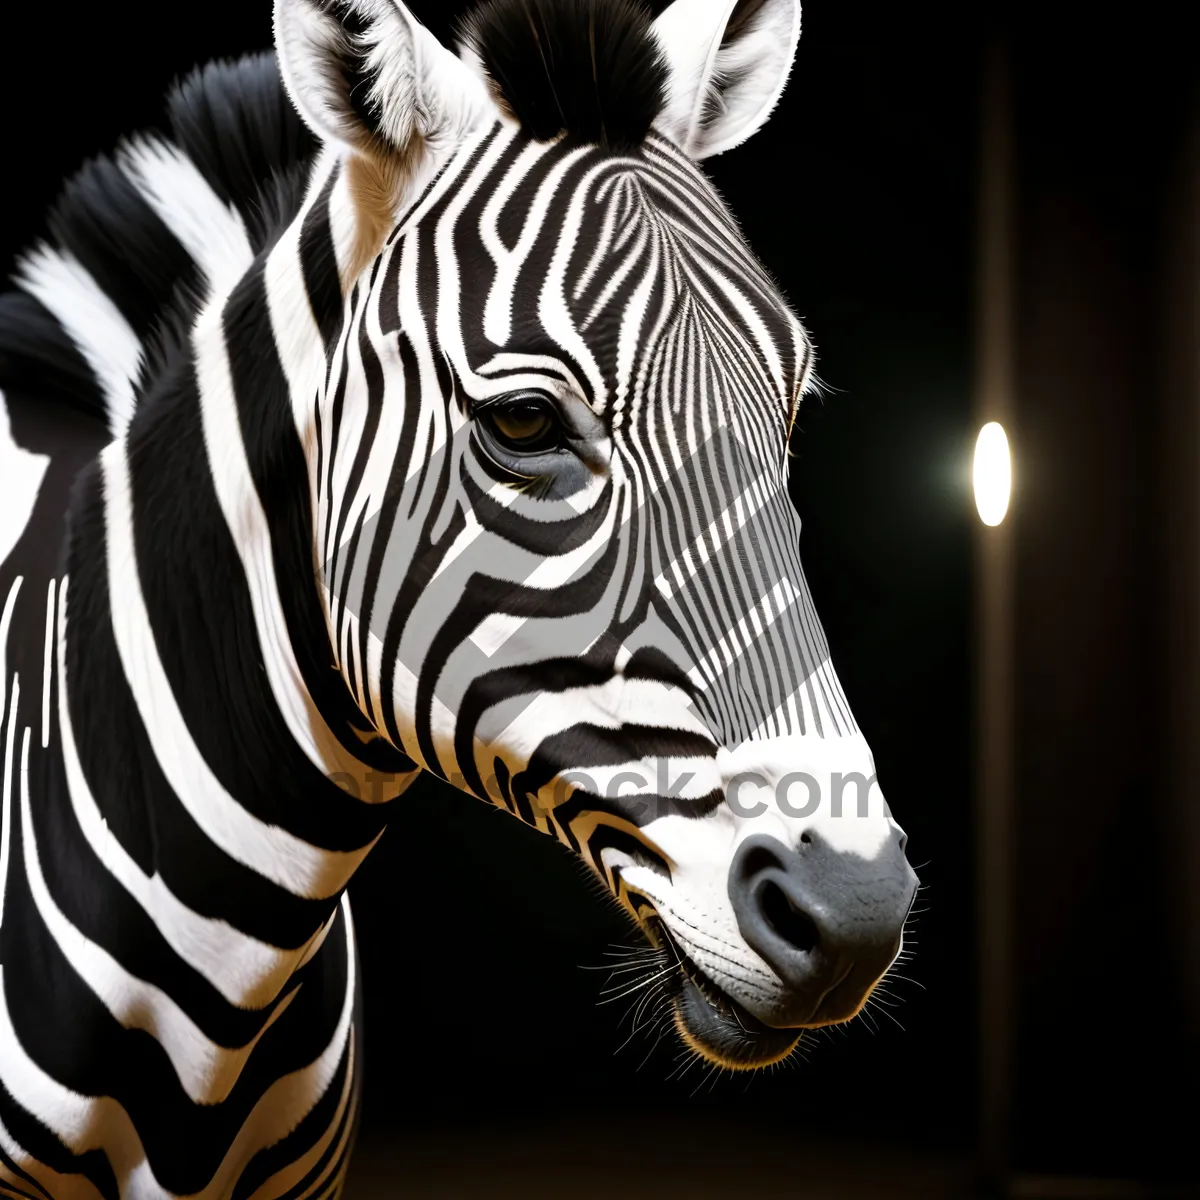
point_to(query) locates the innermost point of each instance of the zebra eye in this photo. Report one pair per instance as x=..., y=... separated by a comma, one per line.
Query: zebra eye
x=523, y=424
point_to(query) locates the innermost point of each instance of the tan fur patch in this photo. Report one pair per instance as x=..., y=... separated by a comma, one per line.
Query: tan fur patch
x=377, y=181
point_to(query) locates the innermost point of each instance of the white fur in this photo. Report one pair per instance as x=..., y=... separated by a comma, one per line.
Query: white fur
x=22, y=473
x=743, y=77
x=209, y=229
x=297, y=338
x=10, y=605
x=47, y=651
x=92, y=321
x=6, y=798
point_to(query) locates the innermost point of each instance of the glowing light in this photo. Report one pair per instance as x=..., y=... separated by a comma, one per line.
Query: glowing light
x=993, y=473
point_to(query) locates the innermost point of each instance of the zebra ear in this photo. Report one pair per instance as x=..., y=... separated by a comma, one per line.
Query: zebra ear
x=729, y=61
x=368, y=74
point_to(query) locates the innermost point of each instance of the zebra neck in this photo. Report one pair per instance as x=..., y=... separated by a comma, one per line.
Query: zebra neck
x=201, y=705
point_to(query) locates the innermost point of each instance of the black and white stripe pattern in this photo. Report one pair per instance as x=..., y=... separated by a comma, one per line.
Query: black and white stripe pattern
x=262, y=563
x=178, y=1006
x=652, y=552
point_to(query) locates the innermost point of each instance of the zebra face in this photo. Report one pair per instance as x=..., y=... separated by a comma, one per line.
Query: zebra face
x=550, y=478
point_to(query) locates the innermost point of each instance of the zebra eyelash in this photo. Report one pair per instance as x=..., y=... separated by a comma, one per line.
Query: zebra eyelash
x=481, y=406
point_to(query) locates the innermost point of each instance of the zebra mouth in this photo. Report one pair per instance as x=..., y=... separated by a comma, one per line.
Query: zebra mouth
x=712, y=1022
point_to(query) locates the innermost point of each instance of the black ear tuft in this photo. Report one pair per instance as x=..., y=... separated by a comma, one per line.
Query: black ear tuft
x=587, y=69
x=351, y=55
x=742, y=15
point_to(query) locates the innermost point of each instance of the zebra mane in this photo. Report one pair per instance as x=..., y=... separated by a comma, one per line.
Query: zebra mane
x=589, y=70
x=112, y=262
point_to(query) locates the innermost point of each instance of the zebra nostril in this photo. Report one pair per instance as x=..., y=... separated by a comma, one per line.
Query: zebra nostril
x=758, y=859
x=827, y=923
x=795, y=927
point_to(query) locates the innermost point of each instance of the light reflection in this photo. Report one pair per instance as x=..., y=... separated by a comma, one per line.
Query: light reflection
x=993, y=473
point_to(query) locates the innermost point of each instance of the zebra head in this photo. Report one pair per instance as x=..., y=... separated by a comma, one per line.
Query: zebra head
x=549, y=469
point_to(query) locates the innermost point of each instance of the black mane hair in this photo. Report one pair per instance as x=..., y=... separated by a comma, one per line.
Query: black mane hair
x=589, y=70
x=235, y=123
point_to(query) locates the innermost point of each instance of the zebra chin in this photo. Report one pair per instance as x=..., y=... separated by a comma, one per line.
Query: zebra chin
x=710, y=1021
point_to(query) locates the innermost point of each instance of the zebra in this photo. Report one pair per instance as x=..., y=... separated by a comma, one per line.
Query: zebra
x=404, y=409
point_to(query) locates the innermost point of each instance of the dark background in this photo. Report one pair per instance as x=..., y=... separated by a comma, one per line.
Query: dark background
x=485, y=1042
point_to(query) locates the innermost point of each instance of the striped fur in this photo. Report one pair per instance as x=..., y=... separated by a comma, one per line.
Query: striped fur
x=265, y=557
